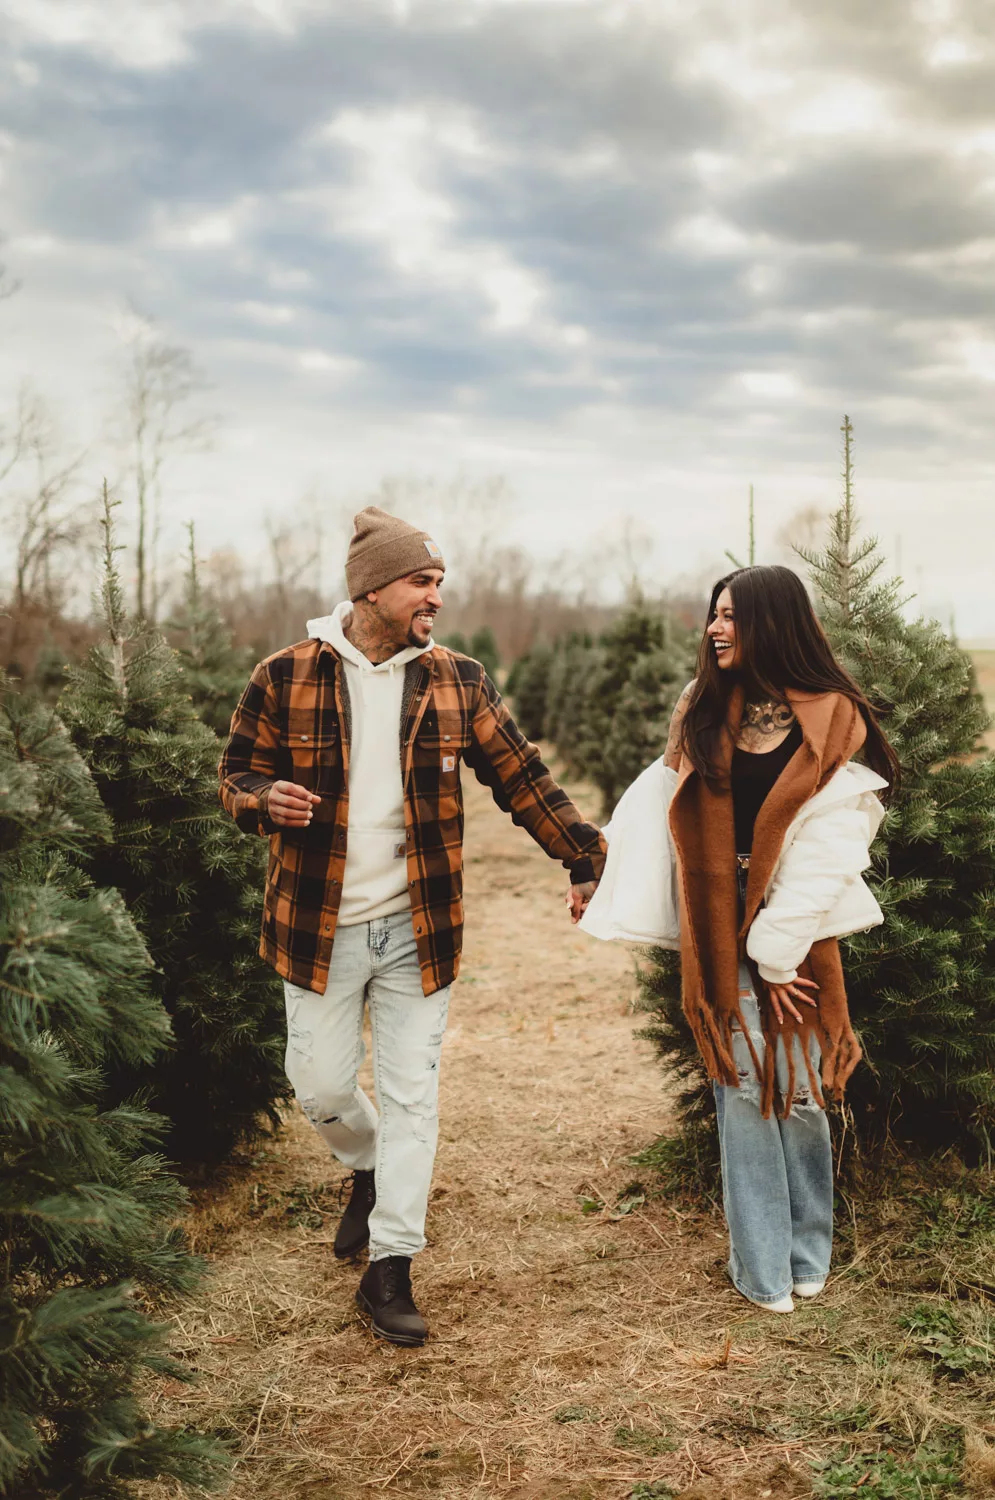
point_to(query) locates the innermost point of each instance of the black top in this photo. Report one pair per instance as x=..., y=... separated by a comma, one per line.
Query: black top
x=753, y=775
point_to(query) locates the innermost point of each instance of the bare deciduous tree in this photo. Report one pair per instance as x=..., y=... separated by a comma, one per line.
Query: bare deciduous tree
x=801, y=532
x=40, y=512
x=161, y=386
x=48, y=520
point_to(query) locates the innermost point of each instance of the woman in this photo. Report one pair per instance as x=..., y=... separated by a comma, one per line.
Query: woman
x=761, y=821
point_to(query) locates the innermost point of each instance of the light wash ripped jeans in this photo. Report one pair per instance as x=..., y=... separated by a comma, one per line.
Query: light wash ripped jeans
x=375, y=964
x=777, y=1175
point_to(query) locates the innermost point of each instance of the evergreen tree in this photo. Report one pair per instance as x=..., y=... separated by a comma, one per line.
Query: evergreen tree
x=608, y=706
x=528, y=689
x=87, y=1213
x=922, y=986
x=637, y=732
x=483, y=648
x=191, y=880
x=49, y=675
x=456, y=641
x=573, y=662
x=215, y=670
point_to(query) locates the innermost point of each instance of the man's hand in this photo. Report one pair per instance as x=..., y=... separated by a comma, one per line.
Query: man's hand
x=290, y=805
x=578, y=897
x=782, y=995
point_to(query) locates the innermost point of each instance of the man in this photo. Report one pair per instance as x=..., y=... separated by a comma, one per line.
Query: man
x=345, y=751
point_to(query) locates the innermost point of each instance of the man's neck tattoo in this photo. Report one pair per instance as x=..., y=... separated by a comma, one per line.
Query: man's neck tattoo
x=371, y=636
x=768, y=716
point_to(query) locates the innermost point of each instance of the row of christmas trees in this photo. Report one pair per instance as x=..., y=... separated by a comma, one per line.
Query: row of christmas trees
x=605, y=703
x=134, y=1019
x=922, y=986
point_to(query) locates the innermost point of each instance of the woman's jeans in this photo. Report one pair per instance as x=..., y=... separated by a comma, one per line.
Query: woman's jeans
x=374, y=964
x=777, y=1175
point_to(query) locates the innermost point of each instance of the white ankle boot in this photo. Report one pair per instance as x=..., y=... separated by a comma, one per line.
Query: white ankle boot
x=808, y=1288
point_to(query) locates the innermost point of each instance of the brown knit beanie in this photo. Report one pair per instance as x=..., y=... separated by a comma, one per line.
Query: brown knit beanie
x=384, y=548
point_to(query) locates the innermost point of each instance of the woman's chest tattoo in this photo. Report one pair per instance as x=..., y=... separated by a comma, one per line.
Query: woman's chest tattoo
x=765, y=725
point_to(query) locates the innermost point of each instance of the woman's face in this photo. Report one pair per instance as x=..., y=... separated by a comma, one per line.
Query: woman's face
x=722, y=633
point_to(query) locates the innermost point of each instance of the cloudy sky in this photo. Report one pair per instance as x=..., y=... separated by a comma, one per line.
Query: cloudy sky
x=631, y=254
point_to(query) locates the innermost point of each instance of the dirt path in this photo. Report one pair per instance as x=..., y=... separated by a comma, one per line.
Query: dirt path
x=573, y=1353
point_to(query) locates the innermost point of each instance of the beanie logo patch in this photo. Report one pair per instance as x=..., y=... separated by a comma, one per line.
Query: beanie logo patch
x=432, y=549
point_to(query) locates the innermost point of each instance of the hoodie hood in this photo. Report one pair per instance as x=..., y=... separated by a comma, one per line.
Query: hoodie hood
x=331, y=628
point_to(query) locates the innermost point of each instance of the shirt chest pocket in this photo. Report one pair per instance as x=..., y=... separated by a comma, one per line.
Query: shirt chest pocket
x=312, y=748
x=442, y=737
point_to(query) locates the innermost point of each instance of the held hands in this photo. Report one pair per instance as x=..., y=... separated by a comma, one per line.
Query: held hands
x=782, y=995
x=578, y=897
x=290, y=805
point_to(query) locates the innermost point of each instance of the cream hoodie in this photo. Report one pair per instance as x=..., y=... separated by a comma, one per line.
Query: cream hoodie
x=375, y=883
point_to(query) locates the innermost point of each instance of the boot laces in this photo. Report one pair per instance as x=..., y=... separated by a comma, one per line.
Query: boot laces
x=395, y=1276
x=353, y=1182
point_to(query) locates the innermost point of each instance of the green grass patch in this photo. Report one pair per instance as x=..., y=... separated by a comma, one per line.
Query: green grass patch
x=643, y=1440
x=929, y=1474
x=935, y=1329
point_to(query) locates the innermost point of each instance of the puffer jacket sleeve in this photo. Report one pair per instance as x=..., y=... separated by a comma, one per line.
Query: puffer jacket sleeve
x=637, y=898
x=830, y=850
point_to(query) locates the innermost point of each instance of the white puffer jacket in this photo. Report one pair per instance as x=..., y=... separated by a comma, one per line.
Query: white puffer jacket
x=815, y=891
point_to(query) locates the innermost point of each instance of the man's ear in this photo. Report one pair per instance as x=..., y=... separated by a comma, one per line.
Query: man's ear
x=371, y=598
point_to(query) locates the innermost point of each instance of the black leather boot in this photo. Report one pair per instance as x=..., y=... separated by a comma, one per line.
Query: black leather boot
x=385, y=1295
x=353, y=1233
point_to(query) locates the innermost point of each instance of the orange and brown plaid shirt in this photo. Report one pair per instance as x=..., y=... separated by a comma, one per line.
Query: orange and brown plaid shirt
x=293, y=724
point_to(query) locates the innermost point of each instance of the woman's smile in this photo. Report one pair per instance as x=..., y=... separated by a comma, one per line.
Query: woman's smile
x=722, y=631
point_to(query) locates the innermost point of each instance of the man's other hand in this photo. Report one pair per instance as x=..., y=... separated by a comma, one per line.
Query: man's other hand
x=578, y=897
x=290, y=805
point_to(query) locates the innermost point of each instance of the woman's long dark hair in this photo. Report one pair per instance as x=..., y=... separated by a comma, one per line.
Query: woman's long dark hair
x=782, y=645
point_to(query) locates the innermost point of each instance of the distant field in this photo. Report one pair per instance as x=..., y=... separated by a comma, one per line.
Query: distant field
x=984, y=661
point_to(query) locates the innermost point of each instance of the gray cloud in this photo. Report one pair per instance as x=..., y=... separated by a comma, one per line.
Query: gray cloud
x=876, y=200
x=542, y=218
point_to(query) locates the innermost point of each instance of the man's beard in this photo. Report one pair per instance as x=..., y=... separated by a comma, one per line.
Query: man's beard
x=413, y=639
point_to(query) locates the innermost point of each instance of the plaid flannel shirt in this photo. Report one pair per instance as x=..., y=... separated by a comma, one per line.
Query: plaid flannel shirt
x=293, y=724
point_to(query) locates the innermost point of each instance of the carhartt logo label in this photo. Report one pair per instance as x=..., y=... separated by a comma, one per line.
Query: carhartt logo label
x=432, y=549
x=399, y=850
x=449, y=762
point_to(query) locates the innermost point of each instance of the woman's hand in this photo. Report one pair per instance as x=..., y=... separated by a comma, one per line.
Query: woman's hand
x=578, y=899
x=782, y=997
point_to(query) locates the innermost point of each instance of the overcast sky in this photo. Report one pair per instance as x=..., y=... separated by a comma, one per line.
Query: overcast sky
x=633, y=256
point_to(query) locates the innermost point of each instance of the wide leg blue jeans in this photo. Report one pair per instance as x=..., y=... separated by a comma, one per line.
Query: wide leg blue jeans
x=777, y=1175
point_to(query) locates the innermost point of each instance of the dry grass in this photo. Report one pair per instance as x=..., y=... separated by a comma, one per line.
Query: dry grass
x=574, y=1355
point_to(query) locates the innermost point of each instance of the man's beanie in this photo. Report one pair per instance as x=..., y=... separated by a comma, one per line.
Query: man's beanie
x=384, y=548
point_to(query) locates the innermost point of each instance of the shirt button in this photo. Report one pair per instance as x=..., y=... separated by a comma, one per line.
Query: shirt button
x=447, y=738
x=333, y=881
x=418, y=930
x=328, y=926
x=303, y=736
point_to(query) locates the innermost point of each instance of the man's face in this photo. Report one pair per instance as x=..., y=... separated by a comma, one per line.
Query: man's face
x=407, y=608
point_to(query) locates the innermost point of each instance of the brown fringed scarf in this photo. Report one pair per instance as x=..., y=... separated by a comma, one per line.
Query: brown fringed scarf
x=701, y=820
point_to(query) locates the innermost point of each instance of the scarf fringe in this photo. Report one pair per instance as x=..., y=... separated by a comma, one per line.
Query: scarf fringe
x=714, y=1037
x=702, y=823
